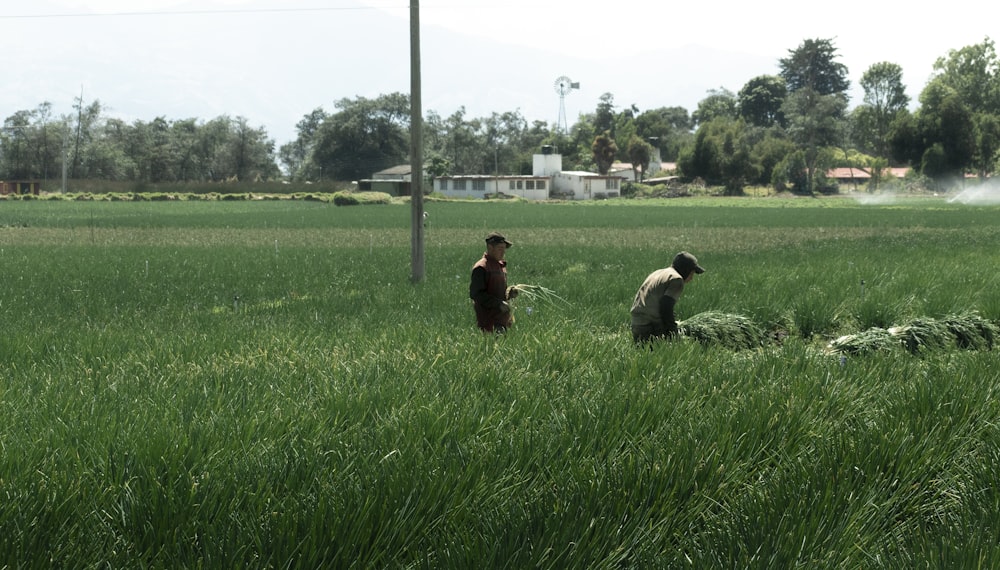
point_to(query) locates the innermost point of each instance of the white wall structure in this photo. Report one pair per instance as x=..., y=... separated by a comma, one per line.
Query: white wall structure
x=578, y=185
x=481, y=186
x=655, y=163
x=547, y=181
x=549, y=163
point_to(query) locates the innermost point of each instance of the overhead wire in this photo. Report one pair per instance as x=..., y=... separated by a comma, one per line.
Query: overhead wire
x=186, y=12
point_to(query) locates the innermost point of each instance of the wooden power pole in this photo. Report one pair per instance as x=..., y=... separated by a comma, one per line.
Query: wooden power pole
x=416, y=150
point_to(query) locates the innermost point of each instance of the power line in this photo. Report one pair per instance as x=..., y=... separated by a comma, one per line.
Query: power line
x=185, y=12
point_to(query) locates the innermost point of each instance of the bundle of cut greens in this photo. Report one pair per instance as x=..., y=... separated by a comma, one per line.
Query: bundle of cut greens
x=922, y=334
x=538, y=294
x=873, y=340
x=971, y=331
x=965, y=330
x=725, y=329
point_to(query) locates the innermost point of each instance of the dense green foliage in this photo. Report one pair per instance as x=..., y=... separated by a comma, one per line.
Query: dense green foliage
x=34, y=145
x=258, y=384
x=783, y=130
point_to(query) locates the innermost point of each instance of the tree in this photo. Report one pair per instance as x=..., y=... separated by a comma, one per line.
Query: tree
x=212, y=141
x=297, y=155
x=813, y=65
x=737, y=165
x=767, y=152
x=639, y=153
x=948, y=129
x=88, y=119
x=814, y=122
x=720, y=102
x=701, y=159
x=159, y=158
x=576, y=147
x=973, y=75
x=532, y=141
x=816, y=102
x=604, y=151
x=885, y=96
x=604, y=117
x=253, y=152
x=438, y=166
x=625, y=129
x=760, y=100
x=987, y=143
x=721, y=154
x=669, y=126
x=47, y=139
x=183, y=148
x=502, y=139
x=906, y=144
x=364, y=136
x=16, y=132
x=463, y=141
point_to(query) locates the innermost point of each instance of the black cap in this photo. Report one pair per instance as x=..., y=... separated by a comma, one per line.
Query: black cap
x=685, y=263
x=495, y=238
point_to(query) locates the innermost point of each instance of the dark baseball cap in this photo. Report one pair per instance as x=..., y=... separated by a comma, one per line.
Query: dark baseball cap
x=687, y=263
x=495, y=238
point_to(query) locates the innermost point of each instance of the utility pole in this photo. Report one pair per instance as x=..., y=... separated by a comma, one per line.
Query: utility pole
x=64, y=165
x=416, y=150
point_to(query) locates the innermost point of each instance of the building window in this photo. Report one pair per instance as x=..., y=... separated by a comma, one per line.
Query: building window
x=511, y=185
x=611, y=183
x=479, y=185
x=520, y=184
x=444, y=184
x=540, y=185
x=529, y=184
x=460, y=185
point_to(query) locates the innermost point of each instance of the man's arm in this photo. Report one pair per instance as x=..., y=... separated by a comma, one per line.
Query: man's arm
x=477, y=289
x=667, y=314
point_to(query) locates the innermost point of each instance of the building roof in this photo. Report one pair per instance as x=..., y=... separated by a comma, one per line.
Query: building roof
x=399, y=170
x=845, y=173
x=628, y=166
x=586, y=174
x=492, y=177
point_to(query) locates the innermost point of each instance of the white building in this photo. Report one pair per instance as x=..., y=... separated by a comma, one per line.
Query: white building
x=548, y=181
x=482, y=185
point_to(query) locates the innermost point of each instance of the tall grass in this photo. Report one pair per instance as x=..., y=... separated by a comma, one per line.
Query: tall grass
x=260, y=385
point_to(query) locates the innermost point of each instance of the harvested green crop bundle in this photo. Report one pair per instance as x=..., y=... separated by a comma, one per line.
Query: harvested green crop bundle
x=971, y=331
x=537, y=293
x=921, y=334
x=866, y=342
x=725, y=329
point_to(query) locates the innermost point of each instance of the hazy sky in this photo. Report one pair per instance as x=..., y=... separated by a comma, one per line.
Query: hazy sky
x=273, y=61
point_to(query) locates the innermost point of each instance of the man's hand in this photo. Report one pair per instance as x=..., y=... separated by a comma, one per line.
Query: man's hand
x=504, y=307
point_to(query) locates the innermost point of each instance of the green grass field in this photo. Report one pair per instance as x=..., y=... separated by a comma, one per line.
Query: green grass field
x=260, y=385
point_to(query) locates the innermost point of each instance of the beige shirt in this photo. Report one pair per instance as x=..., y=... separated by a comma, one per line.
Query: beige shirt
x=662, y=282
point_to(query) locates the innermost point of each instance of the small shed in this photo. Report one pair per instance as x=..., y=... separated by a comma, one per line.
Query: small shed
x=394, y=181
x=20, y=187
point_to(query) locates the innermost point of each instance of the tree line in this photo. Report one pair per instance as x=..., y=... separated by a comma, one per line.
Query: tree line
x=783, y=130
x=90, y=145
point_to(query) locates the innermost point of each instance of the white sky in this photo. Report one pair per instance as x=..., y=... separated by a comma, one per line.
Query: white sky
x=273, y=61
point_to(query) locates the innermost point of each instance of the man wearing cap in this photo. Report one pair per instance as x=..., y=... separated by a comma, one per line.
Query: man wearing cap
x=653, y=307
x=488, y=287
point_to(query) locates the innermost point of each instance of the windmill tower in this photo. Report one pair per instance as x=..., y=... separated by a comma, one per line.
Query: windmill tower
x=563, y=86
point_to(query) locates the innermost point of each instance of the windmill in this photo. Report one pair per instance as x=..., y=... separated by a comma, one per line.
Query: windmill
x=563, y=86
